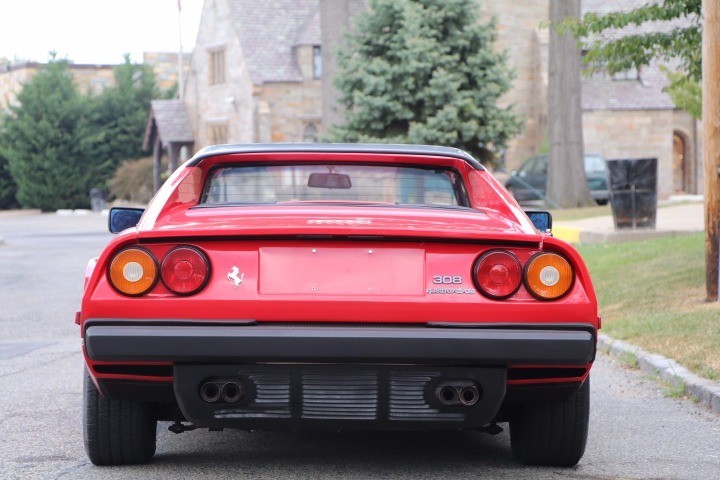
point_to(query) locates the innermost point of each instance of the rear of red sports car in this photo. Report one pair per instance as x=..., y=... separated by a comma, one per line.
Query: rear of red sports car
x=336, y=287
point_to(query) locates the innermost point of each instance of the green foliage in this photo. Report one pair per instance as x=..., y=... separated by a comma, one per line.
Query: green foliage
x=686, y=93
x=120, y=115
x=59, y=144
x=45, y=141
x=424, y=71
x=8, y=189
x=680, y=43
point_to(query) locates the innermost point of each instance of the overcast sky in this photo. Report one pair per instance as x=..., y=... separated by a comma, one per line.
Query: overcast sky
x=95, y=31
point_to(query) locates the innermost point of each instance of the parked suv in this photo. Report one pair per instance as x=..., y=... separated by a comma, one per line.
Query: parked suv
x=529, y=182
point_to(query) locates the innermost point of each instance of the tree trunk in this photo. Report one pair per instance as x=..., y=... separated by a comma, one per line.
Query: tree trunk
x=566, y=180
x=711, y=140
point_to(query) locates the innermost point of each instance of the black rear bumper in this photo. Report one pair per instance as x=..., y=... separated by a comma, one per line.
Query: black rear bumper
x=129, y=341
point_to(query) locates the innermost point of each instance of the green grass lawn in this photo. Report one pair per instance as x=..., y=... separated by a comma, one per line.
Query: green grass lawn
x=652, y=294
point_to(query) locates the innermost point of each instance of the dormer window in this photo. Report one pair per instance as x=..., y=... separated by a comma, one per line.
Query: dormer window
x=216, y=65
x=317, y=62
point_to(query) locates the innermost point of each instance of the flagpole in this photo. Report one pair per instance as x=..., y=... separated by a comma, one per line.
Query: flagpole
x=180, y=54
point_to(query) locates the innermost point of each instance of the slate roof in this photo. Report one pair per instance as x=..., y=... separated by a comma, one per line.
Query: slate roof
x=172, y=121
x=602, y=92
x=268, y=32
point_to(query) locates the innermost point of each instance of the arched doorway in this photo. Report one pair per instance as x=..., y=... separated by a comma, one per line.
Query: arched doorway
x=681, y=170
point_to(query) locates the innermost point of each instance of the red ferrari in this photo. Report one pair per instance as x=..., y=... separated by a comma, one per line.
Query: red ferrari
x=342, y=287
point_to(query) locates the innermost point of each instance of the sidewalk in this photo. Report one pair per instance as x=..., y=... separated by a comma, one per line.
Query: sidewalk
x=672, y=219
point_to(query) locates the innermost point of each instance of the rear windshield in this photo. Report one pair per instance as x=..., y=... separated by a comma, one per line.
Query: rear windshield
x=334, y=183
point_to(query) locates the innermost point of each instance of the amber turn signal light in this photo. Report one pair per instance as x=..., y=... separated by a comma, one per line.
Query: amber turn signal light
x=548, y=276
x=133, y=271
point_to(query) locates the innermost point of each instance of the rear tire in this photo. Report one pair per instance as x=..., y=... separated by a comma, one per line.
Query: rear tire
x=552, y=433
x=116, y=432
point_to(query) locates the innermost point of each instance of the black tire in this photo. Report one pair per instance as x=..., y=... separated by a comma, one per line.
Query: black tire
x=552, y=433
x=116, y=432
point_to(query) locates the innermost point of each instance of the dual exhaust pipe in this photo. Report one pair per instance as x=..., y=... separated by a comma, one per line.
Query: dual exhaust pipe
x=464, y=394
x=227, y=392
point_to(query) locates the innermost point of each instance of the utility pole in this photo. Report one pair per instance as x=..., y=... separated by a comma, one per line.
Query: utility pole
x=180, y=53
x=711, y=140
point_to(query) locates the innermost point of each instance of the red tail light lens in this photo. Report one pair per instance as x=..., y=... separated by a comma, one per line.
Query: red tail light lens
x=498, y=274
x=185, y=270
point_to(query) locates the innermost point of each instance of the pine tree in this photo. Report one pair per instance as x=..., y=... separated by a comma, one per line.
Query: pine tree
x=8, y=189
x=44, y=141
x=120, y=113
x=425, y=71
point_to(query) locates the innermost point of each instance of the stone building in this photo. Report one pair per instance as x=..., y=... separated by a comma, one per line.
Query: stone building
x=255, y=72
x=88, y=78
x=629, y=115
x=258, y=74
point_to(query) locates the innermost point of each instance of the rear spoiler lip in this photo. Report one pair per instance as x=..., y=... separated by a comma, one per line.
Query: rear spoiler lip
x=431, y=150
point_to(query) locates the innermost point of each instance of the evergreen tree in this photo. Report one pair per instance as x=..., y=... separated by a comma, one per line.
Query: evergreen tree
x=119, y=115
x=45, y=141
x=7, y=187
x=425, y=71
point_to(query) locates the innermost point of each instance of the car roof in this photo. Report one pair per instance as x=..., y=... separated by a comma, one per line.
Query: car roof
x=334, y=147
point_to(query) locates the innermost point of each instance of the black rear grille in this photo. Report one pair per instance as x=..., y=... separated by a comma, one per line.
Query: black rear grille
x=340, y=396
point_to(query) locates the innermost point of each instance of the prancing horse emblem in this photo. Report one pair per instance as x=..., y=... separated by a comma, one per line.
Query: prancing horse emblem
x=233, y=276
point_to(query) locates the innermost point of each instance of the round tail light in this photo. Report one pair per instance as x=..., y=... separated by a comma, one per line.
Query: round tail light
x=548, y=276
x=498, y=274
x=133, y=271
x=185, y=270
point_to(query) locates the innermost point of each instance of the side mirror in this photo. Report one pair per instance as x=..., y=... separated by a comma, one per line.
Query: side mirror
x=541, y=219
x=121, y=218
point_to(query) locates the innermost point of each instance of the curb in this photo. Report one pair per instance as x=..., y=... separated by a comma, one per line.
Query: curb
x=577, y=235
x=704, y=391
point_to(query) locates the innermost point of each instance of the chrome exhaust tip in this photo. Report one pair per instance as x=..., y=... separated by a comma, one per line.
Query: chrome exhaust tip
x=210, y=392
x=469, y=396
x=231, y=392
x=447, y=395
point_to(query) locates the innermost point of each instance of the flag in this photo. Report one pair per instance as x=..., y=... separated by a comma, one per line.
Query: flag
x=179, y=5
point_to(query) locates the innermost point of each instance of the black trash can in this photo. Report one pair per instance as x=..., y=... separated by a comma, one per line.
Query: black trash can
x=97, y=200
x=633, y=192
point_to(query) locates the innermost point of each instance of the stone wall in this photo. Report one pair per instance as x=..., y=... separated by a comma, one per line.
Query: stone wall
x=518, y=32
x=633, y=134
x=165, y=67
x=291, y=107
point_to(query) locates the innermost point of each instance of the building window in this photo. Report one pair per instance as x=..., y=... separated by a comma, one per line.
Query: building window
x=218, y=133
x=317, y=62
x=629, y=74
x=217, y=66
x=310, y=134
